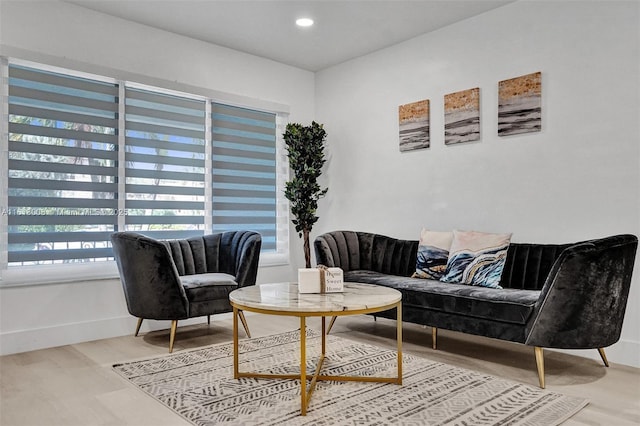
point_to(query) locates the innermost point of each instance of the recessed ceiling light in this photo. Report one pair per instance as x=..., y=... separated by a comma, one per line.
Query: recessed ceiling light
x=304, y=22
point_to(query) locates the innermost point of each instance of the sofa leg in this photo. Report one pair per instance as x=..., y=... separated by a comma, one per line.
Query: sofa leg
x=208, y=319
x=540, y=364
x=172, y=336
x=244, y=323
x=333, y=320
x=138, y=327
x=603, y=356
x=434, y=337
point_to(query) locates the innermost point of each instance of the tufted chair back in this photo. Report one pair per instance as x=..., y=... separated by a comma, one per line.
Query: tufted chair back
x=230, y=252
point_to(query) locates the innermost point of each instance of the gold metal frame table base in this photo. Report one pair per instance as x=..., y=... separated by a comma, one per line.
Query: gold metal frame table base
x=317, y=376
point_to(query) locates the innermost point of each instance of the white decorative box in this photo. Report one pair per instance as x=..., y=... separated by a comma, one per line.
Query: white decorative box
x=320, y=280
x=309, y=280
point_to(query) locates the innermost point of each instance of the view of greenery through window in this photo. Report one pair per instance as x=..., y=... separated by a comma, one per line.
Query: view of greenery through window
x=64, y=198
x=165, y=164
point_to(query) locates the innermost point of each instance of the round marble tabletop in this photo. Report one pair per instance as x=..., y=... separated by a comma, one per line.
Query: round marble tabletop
x=284, y=298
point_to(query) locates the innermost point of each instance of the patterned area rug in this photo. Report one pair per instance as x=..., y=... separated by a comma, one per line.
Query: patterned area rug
x=199, y=385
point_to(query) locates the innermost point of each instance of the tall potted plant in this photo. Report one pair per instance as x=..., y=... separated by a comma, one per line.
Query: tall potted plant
x=305, y=147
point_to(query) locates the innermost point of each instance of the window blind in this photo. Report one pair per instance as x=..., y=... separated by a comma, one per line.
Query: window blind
x=244, y=171
x=88, y=155
x=61, y=192
x=165, y=164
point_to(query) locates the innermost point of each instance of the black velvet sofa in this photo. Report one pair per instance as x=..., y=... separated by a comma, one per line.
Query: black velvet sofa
x=564, y=296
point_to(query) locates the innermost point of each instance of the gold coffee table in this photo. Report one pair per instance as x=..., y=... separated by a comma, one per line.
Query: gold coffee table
x=284, y=299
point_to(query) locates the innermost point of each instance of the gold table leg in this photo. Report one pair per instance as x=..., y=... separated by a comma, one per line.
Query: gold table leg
x=305, y=395
x=324, y=335
x=303, y=366
x=236, y=374
x=399, y=341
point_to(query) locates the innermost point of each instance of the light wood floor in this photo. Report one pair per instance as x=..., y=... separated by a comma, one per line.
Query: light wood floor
x=74, y=385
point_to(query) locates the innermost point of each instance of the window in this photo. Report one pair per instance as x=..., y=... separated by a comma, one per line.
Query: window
x=165, y=164
x=89, y=155
x=244, y=171
x=61, y=168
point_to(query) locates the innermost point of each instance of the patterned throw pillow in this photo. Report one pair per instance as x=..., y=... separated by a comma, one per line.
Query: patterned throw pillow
x=433, y=252
x=477, y=258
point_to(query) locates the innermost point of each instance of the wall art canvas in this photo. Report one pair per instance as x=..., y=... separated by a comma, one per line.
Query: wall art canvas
x=414, y=125
x=520, y=105
x=462, y=116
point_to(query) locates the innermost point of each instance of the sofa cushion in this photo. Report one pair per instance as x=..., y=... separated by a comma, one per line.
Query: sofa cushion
x=433, y=253
x=477, y=258
x=213, y=286
x=507, y=305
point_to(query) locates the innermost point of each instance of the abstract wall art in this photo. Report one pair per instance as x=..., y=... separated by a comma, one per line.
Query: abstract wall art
x=462, y=116
x=414, y=125
x=520, y=105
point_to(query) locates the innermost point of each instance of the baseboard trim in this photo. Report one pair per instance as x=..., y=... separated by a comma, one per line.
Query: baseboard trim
x=625, y=352
x=12, y=342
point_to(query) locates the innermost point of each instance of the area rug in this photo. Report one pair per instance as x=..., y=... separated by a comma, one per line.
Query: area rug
x=199, y=386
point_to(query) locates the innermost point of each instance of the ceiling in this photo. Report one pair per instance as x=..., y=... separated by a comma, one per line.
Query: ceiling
x=343, y=30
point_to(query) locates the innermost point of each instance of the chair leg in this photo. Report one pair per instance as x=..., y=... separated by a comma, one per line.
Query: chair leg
x=209, y=319
x=138, y=327
x=333, y=320
x=540, y=364
x=603, y=356
x=172, y=336
x=434, y=337
x=244, y=323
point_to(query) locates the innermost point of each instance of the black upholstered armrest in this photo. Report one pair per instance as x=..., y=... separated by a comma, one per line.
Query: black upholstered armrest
x=339, y=249
x=584, y=297
x=148, y=273
x=365, y=251
x=245, y=246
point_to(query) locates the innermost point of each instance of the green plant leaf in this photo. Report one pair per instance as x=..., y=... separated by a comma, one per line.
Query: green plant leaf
x=305, y=151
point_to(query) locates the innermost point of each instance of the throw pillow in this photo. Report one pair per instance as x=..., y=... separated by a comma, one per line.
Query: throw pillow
x=433, y=253
x=477, y=258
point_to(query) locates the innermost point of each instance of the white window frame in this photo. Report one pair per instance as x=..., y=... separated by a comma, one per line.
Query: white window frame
x=54, y=274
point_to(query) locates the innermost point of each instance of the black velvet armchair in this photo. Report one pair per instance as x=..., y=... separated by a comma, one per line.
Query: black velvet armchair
x=186, y=278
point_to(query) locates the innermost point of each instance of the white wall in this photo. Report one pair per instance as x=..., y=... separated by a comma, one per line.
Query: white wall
x=49, y=315
x=577, y=179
